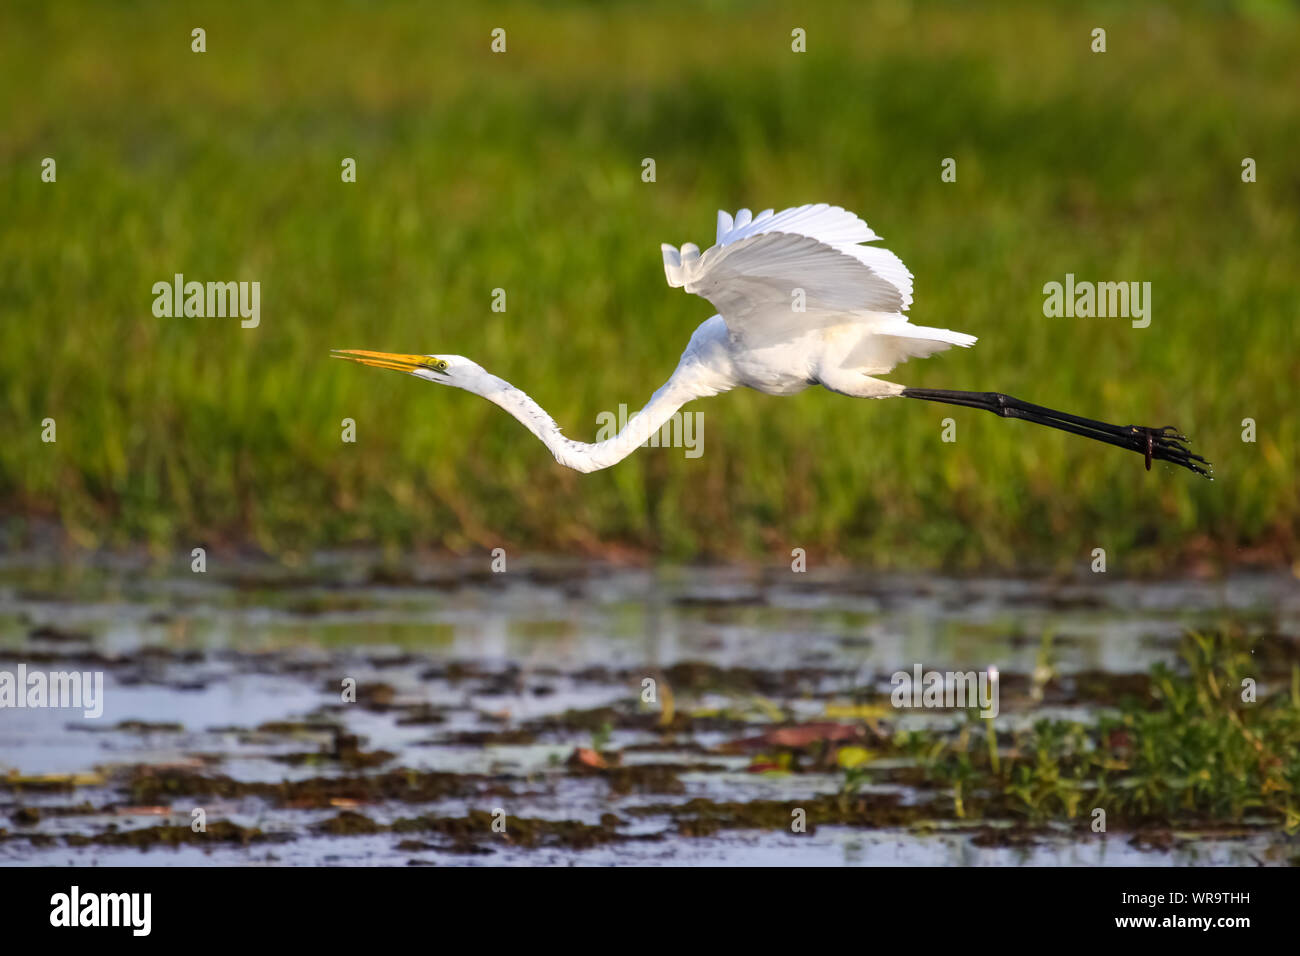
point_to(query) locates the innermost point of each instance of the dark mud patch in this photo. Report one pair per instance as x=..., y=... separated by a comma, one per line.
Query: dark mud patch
x=219, y=832
x=31, y=815
x=58, y=635
x=469, y=834
x=483, y=738
x=640, y=778
x=702, y=817
x=345, y=751
x=480, y=829
x=628, y=716
x=150, y=786
x=696, y=677
x=131, y=727
x=215, y=833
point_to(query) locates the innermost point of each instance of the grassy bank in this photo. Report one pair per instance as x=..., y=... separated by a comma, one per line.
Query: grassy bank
x=522, y=171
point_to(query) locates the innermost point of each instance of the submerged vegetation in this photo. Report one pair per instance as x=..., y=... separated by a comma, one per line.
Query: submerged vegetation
x=522, y=172
x=1203, y=747
x=1207, y=750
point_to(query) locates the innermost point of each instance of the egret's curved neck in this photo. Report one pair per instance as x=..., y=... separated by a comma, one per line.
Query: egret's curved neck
x=584, y=456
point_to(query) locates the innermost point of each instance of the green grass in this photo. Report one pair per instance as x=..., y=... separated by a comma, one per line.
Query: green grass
x=1194, y=751
x=522, y=171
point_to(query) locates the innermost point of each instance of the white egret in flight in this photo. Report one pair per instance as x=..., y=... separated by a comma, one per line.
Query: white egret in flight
x=801, y=302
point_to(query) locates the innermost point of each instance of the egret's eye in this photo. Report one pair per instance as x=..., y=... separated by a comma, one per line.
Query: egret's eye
x=438, y=365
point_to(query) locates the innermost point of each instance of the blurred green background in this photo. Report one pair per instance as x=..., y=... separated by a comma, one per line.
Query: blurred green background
x=523, y=171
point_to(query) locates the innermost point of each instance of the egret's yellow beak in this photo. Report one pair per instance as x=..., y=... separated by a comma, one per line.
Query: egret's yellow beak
x=396, y=361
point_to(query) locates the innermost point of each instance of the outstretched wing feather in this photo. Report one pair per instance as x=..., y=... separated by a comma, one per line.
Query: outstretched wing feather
x=778, y=275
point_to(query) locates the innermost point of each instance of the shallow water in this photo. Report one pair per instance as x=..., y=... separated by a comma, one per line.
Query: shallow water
x=464, y=651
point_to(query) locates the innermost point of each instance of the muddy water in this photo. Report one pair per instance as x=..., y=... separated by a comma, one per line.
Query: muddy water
x=480, y=692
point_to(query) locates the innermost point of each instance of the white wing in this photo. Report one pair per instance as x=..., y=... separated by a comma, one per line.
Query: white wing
x=763, y=265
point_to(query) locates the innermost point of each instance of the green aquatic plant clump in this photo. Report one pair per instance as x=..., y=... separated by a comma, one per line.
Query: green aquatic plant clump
x=1210, y=746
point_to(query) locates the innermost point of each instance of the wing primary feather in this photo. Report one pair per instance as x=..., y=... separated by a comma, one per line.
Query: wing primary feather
x=725, y=224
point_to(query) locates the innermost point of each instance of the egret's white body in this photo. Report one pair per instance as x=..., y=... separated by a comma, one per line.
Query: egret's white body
x=802, y=300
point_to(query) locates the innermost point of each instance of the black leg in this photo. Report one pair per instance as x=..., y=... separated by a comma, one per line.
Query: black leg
x=1161, y=444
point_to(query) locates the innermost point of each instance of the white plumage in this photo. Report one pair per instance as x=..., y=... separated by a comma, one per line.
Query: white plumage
x=801, y=281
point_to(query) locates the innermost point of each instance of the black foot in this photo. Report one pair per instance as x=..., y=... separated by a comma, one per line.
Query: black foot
x=1166, y=444
x=1154, y=444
